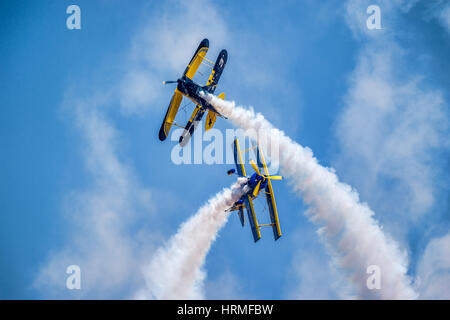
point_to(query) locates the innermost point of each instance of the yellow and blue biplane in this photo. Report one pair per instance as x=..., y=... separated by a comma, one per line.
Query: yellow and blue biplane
x=187, y=87
x=256, y=183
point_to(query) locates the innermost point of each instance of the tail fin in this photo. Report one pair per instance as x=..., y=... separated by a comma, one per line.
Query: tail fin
x=211, y=117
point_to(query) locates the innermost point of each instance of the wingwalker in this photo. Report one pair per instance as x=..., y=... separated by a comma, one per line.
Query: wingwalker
x=255, y=183
x=187, y=87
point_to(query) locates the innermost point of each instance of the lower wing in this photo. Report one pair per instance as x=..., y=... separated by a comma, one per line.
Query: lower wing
x=217, y=71
x=170, y=114
x=252, y=218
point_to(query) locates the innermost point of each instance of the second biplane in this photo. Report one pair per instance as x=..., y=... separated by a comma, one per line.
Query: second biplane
x=187, y=87
x=256, y=183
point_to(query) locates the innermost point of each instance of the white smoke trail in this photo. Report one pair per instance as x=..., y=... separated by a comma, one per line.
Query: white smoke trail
x=175, y=272
x=353, y=236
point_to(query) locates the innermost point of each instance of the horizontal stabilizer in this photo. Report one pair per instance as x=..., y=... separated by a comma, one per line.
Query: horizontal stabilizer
x=210, y=120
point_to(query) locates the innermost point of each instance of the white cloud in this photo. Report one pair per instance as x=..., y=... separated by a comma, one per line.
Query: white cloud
x=388, y=131
x=434, y=270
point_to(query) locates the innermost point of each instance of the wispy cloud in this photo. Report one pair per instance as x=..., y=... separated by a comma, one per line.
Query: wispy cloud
x=434, y=269
x=105, y=241
x=226, y=286
x=444, y=17
x=162, y=49
x=439, y=10
x=390, y=130
x=394, y=126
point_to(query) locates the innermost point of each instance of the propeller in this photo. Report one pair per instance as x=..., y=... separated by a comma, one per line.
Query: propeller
x=167, y=82
x=261, y=178
x=256, y=190
x=255, y=167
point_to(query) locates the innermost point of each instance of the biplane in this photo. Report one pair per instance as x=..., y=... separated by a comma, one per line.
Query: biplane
x=188, y=88
x=256, y=183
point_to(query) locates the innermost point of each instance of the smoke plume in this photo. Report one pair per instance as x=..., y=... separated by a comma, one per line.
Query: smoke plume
x=352, y=235
x=175, y=272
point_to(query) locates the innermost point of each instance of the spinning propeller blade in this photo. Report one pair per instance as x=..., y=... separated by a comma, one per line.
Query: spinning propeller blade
x=167, y=82
x=255, y=167
x=256, y=190
x=275, y=177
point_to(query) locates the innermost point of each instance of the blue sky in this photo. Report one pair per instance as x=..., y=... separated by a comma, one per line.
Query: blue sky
x=81, y=110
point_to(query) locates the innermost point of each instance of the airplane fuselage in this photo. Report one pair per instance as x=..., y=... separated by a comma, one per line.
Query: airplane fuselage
x=192, y=90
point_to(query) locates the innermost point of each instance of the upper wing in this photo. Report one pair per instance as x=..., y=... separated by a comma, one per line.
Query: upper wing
x=252, y=217
x=273, y=211
x=217, y=71
x=197, y=59
x=170, y=114
x=269, y=196
x=238, y=158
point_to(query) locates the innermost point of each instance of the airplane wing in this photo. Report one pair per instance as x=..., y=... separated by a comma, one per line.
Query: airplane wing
x=252, y=217
x=170, y=115
x=217, y=71
x=238, y=158
x=191, y=125
x=197, y=59
x=269, y=196
x=175, y=102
